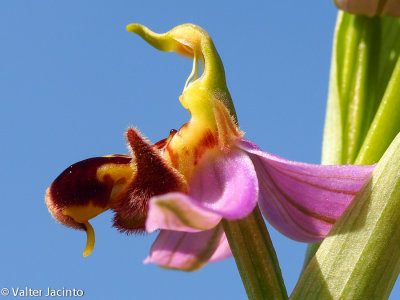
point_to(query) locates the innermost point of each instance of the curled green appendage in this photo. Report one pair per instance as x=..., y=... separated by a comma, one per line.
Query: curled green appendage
x=194, y=42
x=161, y=42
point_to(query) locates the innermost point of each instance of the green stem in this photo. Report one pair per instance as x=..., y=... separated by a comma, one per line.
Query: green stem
x=353, y=99
x=255, y=257
x=386, y=123
x=378, y=84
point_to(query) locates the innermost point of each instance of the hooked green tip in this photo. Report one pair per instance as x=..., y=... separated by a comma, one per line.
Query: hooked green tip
x=132, y=27
x=192, y=41
x=162, y=42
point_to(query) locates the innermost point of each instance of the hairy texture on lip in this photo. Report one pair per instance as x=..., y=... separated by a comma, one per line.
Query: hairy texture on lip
x=79, y=186
x=154, y=176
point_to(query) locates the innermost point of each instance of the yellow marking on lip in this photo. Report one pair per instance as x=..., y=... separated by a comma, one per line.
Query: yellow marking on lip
x=83, y=213
x=115, y=171
x=120, y=174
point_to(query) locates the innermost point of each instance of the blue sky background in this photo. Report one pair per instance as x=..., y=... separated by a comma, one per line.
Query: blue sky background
x=72, y=80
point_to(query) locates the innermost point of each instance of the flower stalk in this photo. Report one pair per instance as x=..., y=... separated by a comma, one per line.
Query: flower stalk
x=255, y=257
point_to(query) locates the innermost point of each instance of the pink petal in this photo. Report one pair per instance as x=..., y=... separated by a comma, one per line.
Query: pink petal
x=177, y=211
x=226, y=185
x=302, y=200
x=188, y=251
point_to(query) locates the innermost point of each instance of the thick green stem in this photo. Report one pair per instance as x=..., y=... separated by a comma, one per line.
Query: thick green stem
x=353, y=97
x=358, y=260
x=255, y=257
x=386, y=122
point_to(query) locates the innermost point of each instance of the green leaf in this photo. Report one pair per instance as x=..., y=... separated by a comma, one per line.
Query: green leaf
x=360, y=259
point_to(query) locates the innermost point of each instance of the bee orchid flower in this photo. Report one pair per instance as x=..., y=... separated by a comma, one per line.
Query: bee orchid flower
x=204, y=172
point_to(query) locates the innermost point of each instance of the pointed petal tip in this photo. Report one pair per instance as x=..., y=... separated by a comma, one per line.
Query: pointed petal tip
x=147, y=260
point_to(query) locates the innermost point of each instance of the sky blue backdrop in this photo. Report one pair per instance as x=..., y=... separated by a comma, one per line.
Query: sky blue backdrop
x=71, y=81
